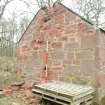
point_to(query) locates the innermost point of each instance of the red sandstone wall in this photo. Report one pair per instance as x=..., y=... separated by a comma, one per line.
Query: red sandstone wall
x=101, y=59
x=72, y=47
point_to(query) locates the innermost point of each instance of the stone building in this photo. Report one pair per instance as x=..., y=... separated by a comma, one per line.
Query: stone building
x=76, y=48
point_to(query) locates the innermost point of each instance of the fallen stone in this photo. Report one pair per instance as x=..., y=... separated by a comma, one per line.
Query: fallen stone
x=27, y=85
x=20, y=83
x=7, y=90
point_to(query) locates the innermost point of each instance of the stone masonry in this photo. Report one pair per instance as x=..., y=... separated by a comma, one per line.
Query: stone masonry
x=76, y=48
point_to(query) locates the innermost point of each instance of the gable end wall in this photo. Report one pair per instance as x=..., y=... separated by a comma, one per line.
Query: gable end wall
x=73, y=52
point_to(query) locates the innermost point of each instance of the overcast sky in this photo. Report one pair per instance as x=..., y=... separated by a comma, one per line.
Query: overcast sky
x=20, y=8
x=31, y=9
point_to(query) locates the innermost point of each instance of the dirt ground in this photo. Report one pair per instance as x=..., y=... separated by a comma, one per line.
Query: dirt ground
x=13, y=89
x=17, y=95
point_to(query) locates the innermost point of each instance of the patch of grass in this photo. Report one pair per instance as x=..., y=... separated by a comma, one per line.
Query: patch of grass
x=95, y=103
x=8, y=67
x=103, y=101
x=11, y=101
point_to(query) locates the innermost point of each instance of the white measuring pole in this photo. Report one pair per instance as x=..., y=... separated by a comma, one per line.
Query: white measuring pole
x=47, y=47
x=47, y=58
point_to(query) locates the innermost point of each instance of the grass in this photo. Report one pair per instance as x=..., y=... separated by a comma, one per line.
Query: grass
x=8, y=67
x=10, y=100
x=103, y=100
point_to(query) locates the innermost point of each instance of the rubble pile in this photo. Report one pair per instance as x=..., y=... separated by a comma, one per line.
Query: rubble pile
x=21, y=91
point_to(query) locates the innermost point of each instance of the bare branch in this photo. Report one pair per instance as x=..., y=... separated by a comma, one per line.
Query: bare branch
x=49, y=3
x=2, y=8
x=91, y=10
x=27, y=4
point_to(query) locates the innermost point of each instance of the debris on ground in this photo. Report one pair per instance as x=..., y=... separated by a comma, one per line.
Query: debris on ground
x=19, y=93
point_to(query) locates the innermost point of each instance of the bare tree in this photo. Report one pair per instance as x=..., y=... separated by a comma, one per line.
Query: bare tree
x=23, y=24
x=40, y=3
x=5, y=3
x=7, y=34
x=92, y=10
x=49, y=3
